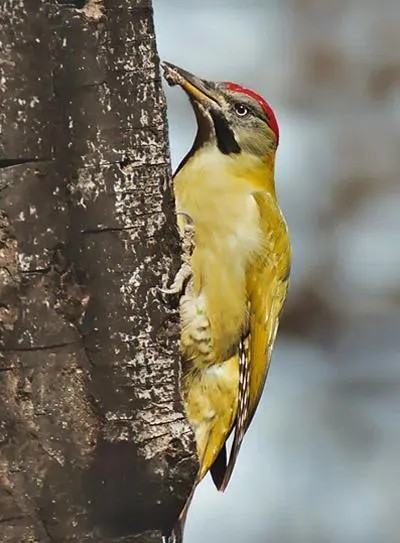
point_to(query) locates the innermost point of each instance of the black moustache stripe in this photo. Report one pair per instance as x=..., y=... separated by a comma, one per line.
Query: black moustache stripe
x=225, y=137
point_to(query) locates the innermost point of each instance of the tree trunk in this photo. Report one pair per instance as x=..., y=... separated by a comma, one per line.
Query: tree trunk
x=94, y=445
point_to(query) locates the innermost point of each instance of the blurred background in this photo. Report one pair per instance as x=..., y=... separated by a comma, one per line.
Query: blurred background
x=321, y=462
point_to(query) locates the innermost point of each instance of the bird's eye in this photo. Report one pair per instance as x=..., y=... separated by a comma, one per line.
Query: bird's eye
x=241, y=110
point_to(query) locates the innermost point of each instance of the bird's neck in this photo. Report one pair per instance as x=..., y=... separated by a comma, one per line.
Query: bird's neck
x=210, y=168
x=258, y=173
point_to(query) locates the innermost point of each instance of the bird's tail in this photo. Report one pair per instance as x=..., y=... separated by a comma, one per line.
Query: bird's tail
x=176, y=534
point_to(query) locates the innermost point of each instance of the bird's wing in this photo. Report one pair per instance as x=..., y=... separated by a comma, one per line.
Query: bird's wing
x=267, y=281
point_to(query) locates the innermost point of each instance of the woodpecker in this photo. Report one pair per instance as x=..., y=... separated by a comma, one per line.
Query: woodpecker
x=236, y=262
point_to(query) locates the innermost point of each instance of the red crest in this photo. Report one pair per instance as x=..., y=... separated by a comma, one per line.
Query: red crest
x=273, y=123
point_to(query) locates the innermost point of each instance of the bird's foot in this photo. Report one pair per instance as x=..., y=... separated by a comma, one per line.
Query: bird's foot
x=177, y=287
x=185, y=271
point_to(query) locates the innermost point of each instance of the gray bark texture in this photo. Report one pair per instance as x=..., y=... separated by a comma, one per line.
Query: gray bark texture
x=94, y=445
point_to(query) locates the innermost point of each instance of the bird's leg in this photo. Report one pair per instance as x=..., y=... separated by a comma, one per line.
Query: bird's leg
x=185, y=271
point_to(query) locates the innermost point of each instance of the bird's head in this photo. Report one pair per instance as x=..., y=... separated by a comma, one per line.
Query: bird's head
x=229, y=116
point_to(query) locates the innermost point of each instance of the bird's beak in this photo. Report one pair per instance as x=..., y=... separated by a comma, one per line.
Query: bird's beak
x=201, y=91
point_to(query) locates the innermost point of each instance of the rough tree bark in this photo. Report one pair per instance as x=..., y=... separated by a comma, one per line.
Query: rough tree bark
x=94, y=445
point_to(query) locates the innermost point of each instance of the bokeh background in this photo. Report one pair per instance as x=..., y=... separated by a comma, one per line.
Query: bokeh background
x=321, y=462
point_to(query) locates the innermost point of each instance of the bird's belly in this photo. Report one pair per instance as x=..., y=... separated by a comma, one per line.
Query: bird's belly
x=224, y=247
x=213, y=317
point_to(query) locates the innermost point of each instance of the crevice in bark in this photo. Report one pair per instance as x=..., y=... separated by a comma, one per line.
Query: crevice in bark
x=78, y=4
x=8, y=162
x=108, y=229
x=38, y=347
x=37, y=271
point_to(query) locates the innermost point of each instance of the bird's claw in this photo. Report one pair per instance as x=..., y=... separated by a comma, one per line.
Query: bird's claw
x=169, y=291
x=184, y=273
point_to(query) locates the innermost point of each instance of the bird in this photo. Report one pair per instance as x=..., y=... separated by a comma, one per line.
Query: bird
x=235, y=265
